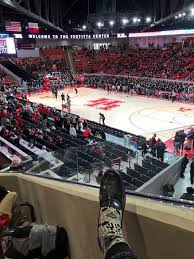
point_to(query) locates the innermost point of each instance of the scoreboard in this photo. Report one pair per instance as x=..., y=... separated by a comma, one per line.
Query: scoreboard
x=7, y=46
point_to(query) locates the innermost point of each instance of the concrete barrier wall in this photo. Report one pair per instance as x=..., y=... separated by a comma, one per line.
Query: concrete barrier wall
x=170, y=174
x=155, y=230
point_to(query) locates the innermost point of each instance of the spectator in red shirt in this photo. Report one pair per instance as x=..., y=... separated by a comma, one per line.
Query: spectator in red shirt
x=46, y=110
x=19, y=121
x=86, y=133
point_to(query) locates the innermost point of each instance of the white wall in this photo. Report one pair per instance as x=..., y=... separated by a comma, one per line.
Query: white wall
x=142, y=42
x=51, y=43
x=28, y=53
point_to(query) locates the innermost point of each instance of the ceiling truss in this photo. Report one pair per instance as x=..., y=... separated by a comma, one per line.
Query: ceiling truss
x=46, y=12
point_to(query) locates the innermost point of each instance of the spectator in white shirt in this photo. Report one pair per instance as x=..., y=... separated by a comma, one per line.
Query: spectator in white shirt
x=72, y=131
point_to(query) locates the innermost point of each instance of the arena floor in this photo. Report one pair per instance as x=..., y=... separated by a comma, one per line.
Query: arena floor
x=135, y=114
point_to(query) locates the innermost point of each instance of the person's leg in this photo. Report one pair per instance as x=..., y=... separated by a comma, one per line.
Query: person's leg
x=8, y=203
x=191, y=178
x=182, y=172
x=112, y=204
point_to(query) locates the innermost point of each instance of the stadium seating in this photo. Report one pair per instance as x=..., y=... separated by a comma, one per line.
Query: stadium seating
x=74, y=150
x=170, y=62
x=53, y=53
x=157, y=162
x=148, y=165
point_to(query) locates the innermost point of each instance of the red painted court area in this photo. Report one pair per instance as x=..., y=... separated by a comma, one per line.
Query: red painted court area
x=104, y=104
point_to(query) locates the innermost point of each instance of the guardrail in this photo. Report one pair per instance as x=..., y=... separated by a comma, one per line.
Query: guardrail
x=26, y=160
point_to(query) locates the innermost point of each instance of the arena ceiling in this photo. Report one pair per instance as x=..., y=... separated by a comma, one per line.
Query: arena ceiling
x=64, y=15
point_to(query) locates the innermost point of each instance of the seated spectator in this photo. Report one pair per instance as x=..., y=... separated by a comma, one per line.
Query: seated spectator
x=96, y=148
x=168, y=190
x=188, y=195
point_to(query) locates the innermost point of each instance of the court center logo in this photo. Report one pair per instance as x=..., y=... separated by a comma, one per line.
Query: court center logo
x=104, y=104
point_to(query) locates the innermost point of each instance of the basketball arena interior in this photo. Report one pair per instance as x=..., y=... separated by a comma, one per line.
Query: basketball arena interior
x=91, y=90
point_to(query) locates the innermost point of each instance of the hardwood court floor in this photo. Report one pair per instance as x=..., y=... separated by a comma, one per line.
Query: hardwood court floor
x=135, y=114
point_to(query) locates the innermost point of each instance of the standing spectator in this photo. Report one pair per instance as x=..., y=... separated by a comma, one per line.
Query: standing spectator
x=72, y=131
x=192, y=171
x=184, y=163
x=182, y=139
x=85, y=124
x=103, y=135
x=160, y=149
x=144, y=148
x=177, y=141
x=152, y=144
x=102, y=118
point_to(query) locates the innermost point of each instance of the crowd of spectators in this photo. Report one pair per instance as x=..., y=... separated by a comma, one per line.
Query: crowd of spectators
x=7, y=82
x=20, y=119
x=142, y=86
x=173, y=61
x=49, y=61
x=40, y=67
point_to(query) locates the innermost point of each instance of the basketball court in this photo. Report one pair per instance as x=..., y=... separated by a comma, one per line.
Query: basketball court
x=134, y=114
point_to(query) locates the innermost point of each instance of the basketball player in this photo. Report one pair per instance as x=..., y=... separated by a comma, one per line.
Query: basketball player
x=108, y=89
x=76, y=91
x=63, y=97
x=69, y=104
x=55, y=92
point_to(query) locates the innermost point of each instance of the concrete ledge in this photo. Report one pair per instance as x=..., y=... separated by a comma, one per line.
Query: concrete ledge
x=155, y=230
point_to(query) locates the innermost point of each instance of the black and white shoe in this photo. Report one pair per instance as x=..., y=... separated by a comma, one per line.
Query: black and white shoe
x=112, y=190
x=112, y=204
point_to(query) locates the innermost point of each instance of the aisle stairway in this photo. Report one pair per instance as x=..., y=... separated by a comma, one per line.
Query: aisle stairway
x=15, y=71
x=69, y=61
